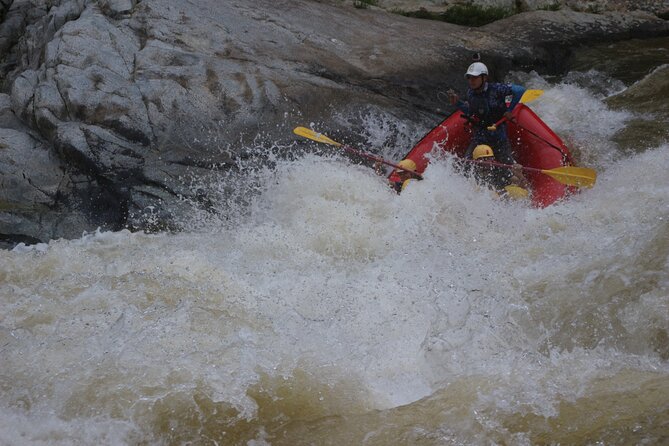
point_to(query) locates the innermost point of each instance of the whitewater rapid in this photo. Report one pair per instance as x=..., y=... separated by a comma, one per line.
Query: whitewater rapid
x=331, y=310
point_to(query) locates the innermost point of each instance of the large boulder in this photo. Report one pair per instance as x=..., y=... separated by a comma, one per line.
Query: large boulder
x=114, y=106
x=38, y=198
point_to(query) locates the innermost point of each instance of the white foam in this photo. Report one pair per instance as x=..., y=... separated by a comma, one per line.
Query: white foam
x=329, y=269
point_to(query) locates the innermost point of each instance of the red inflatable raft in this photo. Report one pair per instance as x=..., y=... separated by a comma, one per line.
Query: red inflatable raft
x=534, y=145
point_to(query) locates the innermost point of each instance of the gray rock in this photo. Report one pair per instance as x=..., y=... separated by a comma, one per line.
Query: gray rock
x=117, y=8
x=30, y=176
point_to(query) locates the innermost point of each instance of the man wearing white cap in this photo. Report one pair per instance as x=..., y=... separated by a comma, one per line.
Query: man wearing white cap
x=487, y=102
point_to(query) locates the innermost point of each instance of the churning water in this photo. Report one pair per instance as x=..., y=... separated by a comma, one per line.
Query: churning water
x=334, y=312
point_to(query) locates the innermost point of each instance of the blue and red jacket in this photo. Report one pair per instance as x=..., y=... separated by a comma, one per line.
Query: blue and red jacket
x=488, y=106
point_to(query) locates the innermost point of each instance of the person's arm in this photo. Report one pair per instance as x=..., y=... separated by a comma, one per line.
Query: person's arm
x=517, y=92
x=518, y=178
x=459, y=103
x=462, y=106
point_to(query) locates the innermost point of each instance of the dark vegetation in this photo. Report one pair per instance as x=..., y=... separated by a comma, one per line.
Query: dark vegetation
x=465, y=14
x=469, y=14
x=364, y=4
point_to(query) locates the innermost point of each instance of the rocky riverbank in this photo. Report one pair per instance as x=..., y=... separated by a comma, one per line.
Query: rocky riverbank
x=109, y=108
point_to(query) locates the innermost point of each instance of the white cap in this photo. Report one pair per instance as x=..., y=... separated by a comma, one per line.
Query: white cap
x=476, y=69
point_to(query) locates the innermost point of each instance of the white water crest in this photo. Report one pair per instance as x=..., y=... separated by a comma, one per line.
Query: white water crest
x=335, y=311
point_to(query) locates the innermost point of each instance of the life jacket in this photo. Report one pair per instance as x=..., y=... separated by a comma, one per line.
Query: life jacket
x=489, y=106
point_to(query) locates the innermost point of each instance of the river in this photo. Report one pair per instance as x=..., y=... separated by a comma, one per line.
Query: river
x=330, y=311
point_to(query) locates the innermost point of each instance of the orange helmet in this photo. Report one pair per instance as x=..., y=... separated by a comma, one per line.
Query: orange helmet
x=482, y=151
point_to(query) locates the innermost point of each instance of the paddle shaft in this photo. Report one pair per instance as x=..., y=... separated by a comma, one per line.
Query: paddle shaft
x=319, y=137
x=515, y=121
x=507, y=166
x=510, y=166
x=379, y=159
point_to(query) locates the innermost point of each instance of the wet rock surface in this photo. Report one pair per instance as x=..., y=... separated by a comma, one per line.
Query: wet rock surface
x=110, y=108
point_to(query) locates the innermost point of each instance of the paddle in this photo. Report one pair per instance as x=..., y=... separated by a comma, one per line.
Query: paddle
x=319, y=137
x=530, y=95
x=569, y=175
x=493, y=127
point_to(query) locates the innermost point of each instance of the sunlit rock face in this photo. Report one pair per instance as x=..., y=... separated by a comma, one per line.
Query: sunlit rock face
x=111, y=108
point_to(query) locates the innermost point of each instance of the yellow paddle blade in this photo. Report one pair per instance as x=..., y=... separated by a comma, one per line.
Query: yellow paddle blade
x=308, y=133
x=573, y=176
x=530, y=95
